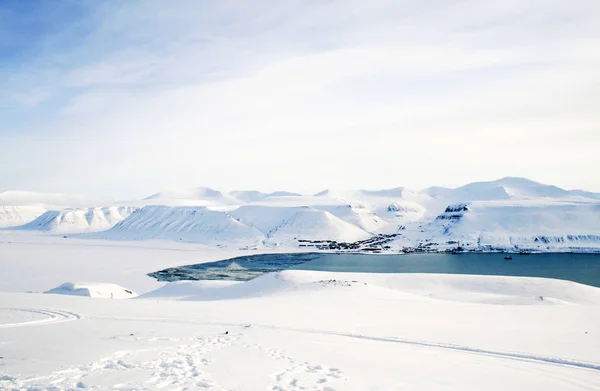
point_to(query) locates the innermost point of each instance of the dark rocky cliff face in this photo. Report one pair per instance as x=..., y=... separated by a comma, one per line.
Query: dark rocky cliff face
x=453, y=212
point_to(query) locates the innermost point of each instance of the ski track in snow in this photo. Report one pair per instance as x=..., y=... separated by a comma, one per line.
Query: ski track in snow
x=523, y=356
x=183, y=367
x=466, y=349
x=51, y=316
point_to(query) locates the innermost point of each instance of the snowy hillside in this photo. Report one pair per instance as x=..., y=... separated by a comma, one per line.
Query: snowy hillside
x=526, y=225
x=183, y=223
x=13, y=216
x=314, y=224
x=265, y=218
x=586, y=194
x=269, y=218
x=360, y=215
x=249, y=225
x=498, y=290
x=22, y=207
x=405, y=212
x=79, y=220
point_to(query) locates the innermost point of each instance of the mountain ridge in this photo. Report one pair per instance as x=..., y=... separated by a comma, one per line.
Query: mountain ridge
x=501, y=213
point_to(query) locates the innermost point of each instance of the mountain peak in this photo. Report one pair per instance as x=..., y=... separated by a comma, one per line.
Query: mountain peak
x=200, y=192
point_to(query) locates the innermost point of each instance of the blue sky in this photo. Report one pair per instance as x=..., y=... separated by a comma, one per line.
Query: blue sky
x=130, y=98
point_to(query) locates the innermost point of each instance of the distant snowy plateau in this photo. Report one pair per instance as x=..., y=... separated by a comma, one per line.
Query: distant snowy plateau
x=510, y=214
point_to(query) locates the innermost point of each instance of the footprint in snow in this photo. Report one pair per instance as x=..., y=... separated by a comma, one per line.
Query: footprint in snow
x=306, y=376
x=178, y=368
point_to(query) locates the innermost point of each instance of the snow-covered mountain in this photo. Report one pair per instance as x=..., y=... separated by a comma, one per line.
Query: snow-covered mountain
x=205, y=196
x=586, y=194
x=515, y=225
x=249, y=225
x=360, y=215
x=509, y=213
x=51, y=200
x=183, y=223
x=254, y=196
x=378, y=199
x=22, y=207
x=314, y=224
x=79, y=220
x=14, y=216
x=508, y=188
x=201, y=196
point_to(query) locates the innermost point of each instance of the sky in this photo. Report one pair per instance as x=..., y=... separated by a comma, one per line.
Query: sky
x=128, y=98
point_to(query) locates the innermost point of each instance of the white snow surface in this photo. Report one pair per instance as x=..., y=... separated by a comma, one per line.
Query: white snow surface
x=290, y=330
x=93, y=289
x=462, y=288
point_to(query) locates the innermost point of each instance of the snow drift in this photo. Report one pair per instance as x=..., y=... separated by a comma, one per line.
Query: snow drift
x=461, y=288
x=100, y=290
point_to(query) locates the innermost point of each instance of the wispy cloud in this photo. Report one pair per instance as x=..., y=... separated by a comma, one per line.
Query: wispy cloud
x=132, y=97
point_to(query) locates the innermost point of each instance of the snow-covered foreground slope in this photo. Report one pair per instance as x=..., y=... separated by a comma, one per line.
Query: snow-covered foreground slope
x=311, y=331
x=79, y=220
x=291, y=330
x=461, y=288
